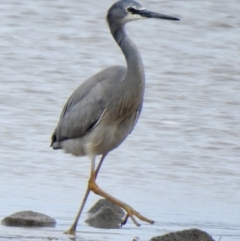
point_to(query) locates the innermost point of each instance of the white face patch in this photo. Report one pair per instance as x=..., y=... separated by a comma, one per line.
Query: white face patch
x=132, y=17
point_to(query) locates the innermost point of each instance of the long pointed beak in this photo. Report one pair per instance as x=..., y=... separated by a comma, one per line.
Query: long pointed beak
x=148, y=14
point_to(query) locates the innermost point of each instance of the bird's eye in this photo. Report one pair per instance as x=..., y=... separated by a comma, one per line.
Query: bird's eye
x=131, y=10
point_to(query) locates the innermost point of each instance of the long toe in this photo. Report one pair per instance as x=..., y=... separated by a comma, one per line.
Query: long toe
x=92, y=185
x=131, y=213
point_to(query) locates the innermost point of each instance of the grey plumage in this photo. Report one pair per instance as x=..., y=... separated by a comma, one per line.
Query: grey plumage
x=103, y=110
x=78, y=120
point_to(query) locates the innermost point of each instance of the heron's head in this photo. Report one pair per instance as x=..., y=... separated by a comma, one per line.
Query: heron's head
x=125, y=11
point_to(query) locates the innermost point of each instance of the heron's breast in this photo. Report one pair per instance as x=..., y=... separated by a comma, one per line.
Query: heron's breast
x=109, y=135
x=126, y=108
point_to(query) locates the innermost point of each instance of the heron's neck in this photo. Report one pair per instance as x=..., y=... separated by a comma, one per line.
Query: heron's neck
x=135, y=70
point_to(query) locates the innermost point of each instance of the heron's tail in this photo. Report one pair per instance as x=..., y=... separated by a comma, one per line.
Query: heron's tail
x=55, y=144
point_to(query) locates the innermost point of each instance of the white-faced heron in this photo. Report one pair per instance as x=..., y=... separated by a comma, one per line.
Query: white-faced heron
x=104, y=109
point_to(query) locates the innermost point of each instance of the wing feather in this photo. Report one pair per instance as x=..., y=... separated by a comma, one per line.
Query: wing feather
x=86, y=105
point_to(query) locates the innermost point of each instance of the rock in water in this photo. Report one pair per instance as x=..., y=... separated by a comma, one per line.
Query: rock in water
x=106, y=203
x=105, y=214
x=29, y=219
x=105, y=217
x=185, y=235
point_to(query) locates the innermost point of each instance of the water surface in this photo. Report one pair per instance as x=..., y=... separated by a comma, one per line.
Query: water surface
x=179, y=167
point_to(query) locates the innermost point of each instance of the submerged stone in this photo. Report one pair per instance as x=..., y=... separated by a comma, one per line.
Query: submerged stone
x=29, y=219
x=105, y=203
x=105, y=217
x=185, y=235
x=105, y=214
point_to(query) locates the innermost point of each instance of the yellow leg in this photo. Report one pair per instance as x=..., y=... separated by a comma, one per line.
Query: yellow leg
x=92, y=186
x=130, y=211
x=72, y=229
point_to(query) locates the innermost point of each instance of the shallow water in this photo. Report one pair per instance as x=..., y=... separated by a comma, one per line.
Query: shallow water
x=179, y=167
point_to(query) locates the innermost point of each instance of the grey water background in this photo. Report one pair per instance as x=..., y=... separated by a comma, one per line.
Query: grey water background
x=181, y=164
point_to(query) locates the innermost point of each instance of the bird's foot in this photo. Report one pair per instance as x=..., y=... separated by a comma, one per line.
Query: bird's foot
x=131, y=213
x=92, y=185
x=124, y=221
x=71, y=231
